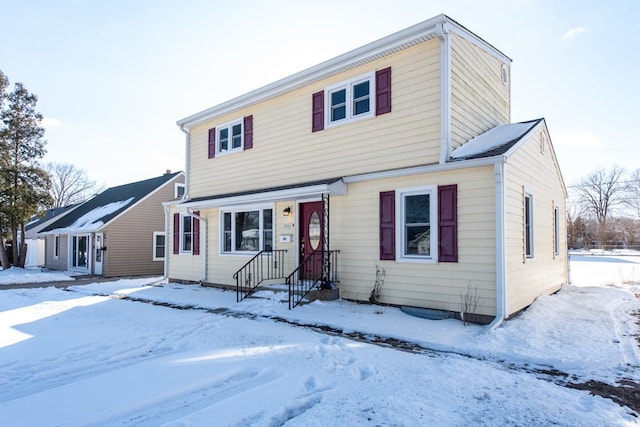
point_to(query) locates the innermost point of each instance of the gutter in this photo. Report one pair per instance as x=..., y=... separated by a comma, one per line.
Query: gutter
x=165, y=274
x=204, y=252
x=499, y=172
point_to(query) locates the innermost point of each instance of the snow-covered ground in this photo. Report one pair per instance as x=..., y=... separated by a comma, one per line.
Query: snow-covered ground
x=100, y=355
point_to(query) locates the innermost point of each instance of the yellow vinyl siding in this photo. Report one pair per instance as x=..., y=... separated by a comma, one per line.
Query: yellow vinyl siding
x=129, y=238
x=286, y=151
x=536, y=173
x=479, y=99
x=355, y=230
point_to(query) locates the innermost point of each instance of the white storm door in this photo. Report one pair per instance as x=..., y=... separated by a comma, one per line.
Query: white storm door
x=98, y=249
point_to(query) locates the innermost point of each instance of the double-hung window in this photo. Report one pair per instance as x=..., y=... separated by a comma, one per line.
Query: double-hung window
x=350, y=100
x=230, y=137
x=417, y=223
x=528, y=225
x=159, y=242
x=247, y=230
x=186, y=234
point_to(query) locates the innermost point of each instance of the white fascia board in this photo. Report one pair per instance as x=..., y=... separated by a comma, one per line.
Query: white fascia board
x=438, y=167
x=337, y=188
x=385, y=46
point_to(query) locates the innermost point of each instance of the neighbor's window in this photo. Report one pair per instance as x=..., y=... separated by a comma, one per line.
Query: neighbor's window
x=528, y=225
x=247, y=230
x=179, y=190
x=159, y=242
x=350, y=100
x=230, y=137
x=186, y=234
x=56, y=246
x=417, y=217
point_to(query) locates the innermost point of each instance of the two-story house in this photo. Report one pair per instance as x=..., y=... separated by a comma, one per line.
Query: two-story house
x=397, y=155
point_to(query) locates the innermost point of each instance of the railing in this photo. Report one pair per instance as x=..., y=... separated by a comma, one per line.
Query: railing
x=319, y=269
x=265, y=265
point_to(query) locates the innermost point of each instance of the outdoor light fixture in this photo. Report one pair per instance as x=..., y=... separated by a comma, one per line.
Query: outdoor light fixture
x=286, y=211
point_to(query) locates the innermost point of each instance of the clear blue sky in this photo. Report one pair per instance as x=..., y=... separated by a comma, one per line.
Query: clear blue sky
x=113, y=76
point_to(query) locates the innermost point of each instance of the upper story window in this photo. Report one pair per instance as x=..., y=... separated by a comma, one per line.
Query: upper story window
x=236, y=135
x=365, y=96
x=350, y=100
x=230, y=137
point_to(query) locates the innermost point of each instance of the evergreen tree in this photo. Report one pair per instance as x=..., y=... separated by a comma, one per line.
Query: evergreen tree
x=24, y=185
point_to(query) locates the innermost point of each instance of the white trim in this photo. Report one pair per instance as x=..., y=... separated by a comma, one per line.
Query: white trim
x=229, y=127
x=388, y=45
x=436, y=167
x=181, y=250
x=155, y=236
x=177, y=186
x=500, y=174
x=246, y=208
x=432, y=191
x=530, y=234
x=335, y=188
x=445, y=91
x=348, y=86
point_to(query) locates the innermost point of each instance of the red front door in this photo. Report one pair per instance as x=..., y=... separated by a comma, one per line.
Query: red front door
x=311, y=238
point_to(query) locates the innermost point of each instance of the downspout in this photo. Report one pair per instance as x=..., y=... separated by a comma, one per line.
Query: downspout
x=445, y=92
x=187, y=139
x=499, y=172
x=204, y=252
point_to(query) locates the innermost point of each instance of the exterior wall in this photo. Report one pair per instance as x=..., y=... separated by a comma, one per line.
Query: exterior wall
x=286, y=151
x=129, y=239
x=529, y=170
x=62, y=262
x=355, y=232
x=479, y=99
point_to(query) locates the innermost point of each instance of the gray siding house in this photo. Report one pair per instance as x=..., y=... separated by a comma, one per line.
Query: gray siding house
x=119, y=232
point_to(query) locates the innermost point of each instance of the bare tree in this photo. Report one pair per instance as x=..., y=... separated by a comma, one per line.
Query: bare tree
x=69, y=185
x=632, y=188
x=602, y=192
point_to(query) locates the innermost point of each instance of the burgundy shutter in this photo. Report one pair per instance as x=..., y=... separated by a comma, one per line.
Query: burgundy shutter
x=196, y=234
x=383, y=91
x=248, y=132
x=317, y=117
x=387, y=225
x=176, y=233
x=448, y=223
x=212, y=142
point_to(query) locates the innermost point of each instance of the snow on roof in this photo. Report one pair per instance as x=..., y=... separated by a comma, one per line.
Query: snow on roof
x=92, y=220
x=499, y=136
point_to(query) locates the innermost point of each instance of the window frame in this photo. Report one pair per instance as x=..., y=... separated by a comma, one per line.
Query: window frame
x=261, y=233
x=528, y=222
x=556, y=231
x=183, y=233
x=156, y=234
x=176, y=190
x=56, y=246
x=348, y=86
x=228, y=126
x=401, y=194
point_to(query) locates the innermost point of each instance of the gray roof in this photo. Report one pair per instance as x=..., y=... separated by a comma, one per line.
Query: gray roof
x=48, y=215
x=132, y=193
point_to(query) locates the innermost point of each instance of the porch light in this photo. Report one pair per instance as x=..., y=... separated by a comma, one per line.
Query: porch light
x=286, y=211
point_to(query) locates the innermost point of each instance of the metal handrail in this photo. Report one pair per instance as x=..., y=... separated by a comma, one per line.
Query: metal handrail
x=256, y=270
x=315, y=270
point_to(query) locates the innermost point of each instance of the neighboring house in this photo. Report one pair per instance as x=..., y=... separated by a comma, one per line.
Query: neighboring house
x=36, y=243
x=399, y=154
x=119, y=232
